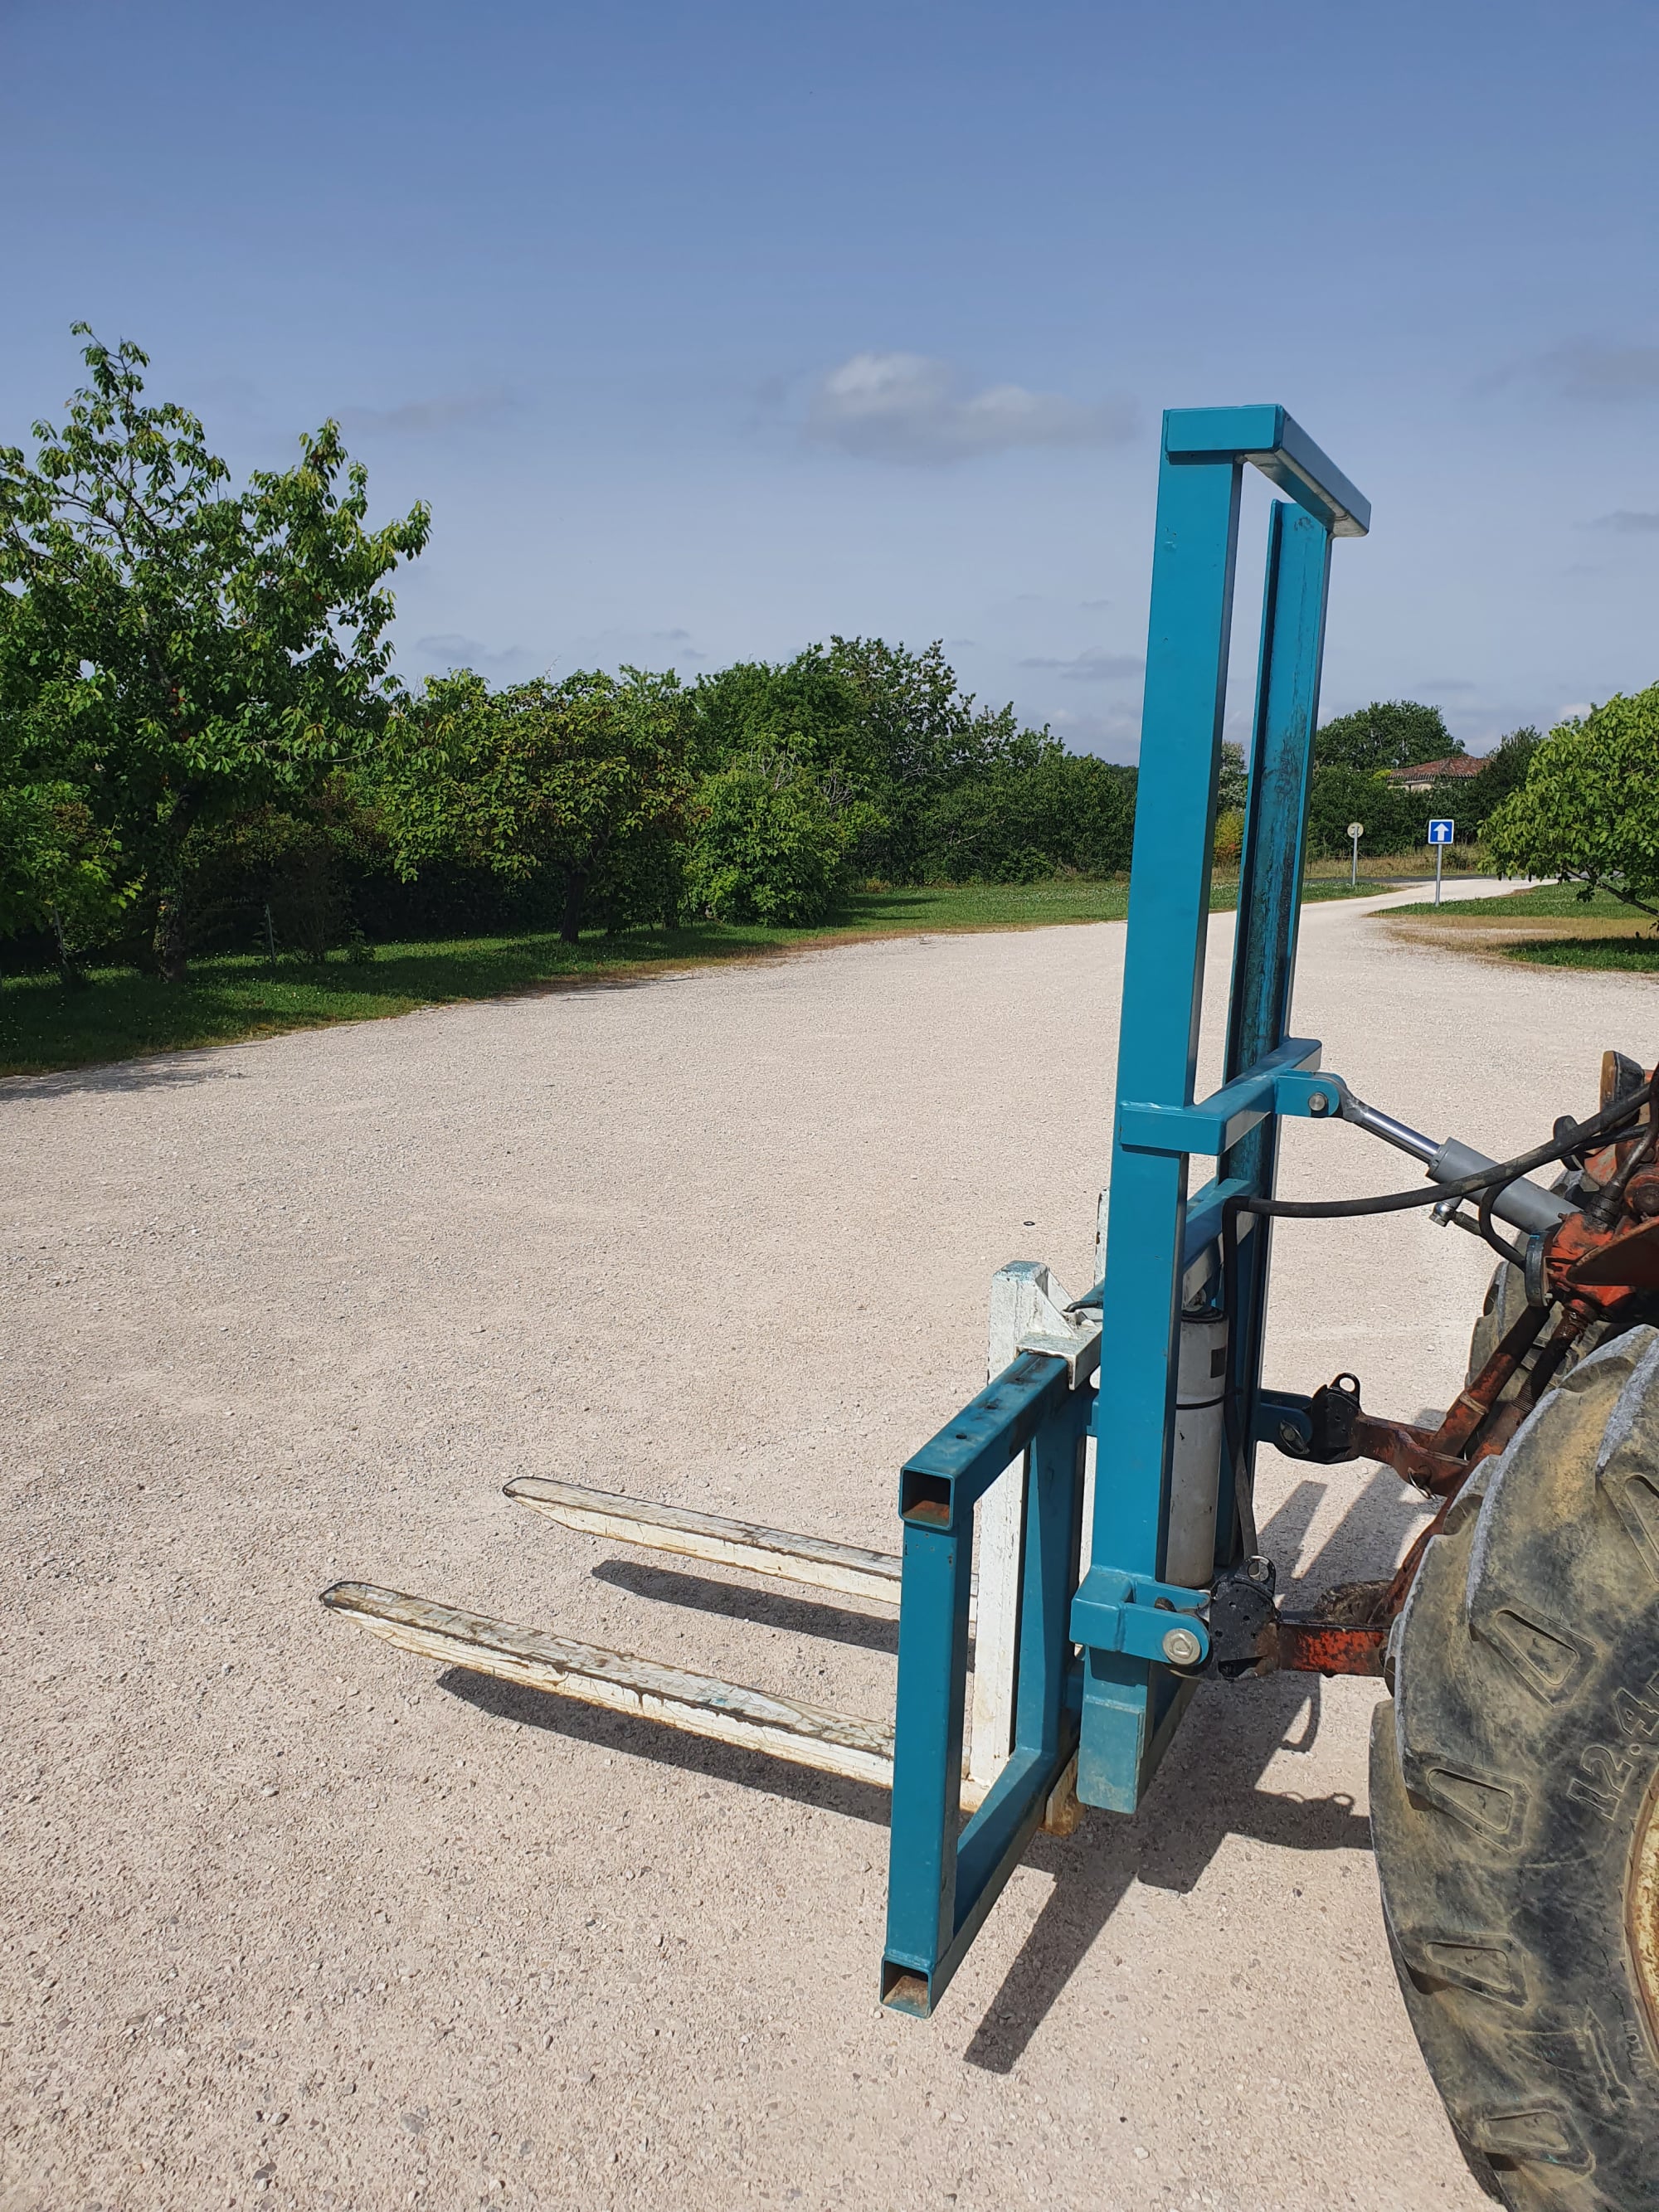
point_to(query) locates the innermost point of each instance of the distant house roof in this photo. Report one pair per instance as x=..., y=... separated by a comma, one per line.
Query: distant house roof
x=1427, y=772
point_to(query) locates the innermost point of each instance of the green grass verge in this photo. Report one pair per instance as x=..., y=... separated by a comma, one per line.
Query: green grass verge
x=1635, y=950
x=1636, y=956
x=234, y=996
x=1550, y=900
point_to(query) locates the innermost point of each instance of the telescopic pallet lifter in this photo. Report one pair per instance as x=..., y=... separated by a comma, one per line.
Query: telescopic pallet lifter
x=1109, y=1466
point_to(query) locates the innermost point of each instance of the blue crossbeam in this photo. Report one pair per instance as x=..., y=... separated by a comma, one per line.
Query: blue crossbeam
x=955, y=1467
x=1282, y=1083
x=1275, y=443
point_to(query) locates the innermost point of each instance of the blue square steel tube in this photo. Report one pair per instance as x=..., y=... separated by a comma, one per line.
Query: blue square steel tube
x=1264, y=945
x=1197, y=532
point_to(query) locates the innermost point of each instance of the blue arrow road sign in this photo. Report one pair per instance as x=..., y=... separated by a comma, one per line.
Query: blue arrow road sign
x=1440, y=830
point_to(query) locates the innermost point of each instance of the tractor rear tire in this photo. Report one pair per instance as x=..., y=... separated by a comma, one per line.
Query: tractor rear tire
x=1515, y=1798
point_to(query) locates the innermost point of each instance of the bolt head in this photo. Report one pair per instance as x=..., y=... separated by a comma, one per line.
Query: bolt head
x=1319, y=1101
x=1182, y=1648
x=1290, y=1439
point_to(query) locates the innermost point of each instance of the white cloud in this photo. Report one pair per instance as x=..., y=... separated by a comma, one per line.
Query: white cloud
x=1115, y=735
x=1583, y=371
x=1093, y=667
x=908, y=408
x=1575, y=714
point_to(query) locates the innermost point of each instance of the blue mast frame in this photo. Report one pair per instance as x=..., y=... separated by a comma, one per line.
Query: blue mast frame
x=1091, y=1675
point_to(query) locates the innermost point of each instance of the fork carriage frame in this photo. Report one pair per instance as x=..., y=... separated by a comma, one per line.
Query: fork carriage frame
x=1092, y=1671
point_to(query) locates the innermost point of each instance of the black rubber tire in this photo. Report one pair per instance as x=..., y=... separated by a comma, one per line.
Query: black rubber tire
x=1514, y=1795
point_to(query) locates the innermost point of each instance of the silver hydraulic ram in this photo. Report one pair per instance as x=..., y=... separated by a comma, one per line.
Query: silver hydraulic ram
x=1521, y=1203
x=1195, y=1459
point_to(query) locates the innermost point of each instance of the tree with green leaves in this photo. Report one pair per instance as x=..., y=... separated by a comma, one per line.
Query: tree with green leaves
x=59, y=870
x=875, y=724
x=1021, y=820
x=1504, y=769
x=589, y=779
x=775, y=843
x=1388, y=734
x=177, y=651
x=1233, y=784
x=1588, y=810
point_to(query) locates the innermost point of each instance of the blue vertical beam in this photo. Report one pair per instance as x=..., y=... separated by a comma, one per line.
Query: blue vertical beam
x=1281, y=755
x=1269, y=911
x=932, y=1665
x=1197, y=537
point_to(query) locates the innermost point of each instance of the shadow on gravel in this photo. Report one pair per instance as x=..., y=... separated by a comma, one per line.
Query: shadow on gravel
x=663, y=1746
x=173, y=1073
x=1209, y=1786
x=800, y=1616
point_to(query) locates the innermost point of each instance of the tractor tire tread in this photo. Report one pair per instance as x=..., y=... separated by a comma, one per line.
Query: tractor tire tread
x=1511, y=1775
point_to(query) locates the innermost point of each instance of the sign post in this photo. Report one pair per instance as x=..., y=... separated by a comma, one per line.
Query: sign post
x=1440, y=835
x=1355, y=831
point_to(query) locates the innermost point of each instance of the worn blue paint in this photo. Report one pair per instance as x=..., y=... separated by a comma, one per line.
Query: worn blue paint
x=1264, y=945
x=954, y=1468
x=1115, y=1612
x=1127, y=1704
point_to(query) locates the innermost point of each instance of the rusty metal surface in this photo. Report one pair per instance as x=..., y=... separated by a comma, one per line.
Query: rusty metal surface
x=1319, y=1647
x=1343, y=1632
x=1598, y=1265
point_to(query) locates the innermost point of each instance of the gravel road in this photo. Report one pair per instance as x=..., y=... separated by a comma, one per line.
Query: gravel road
x=292, y=1918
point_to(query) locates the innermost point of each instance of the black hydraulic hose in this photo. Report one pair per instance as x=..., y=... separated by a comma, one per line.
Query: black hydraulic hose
x=1572, y=1137
x=1604, y=1124
x=1501, y=1245
x=1605, y=1207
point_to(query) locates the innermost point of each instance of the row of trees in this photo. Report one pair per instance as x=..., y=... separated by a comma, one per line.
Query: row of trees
x=1581, y=804
x=199, y=725
x=198, y=722
x=1354, y=755
x=757, y=794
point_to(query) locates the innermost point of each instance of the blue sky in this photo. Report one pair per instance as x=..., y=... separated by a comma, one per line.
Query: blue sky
x=710, y=331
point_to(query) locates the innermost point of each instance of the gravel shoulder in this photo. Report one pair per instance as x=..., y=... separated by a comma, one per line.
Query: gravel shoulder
x=292, y=1918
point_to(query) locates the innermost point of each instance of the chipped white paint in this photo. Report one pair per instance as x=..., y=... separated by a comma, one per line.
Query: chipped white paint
x=700, y=1704
x=697, y=1705
x=810, y=1559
